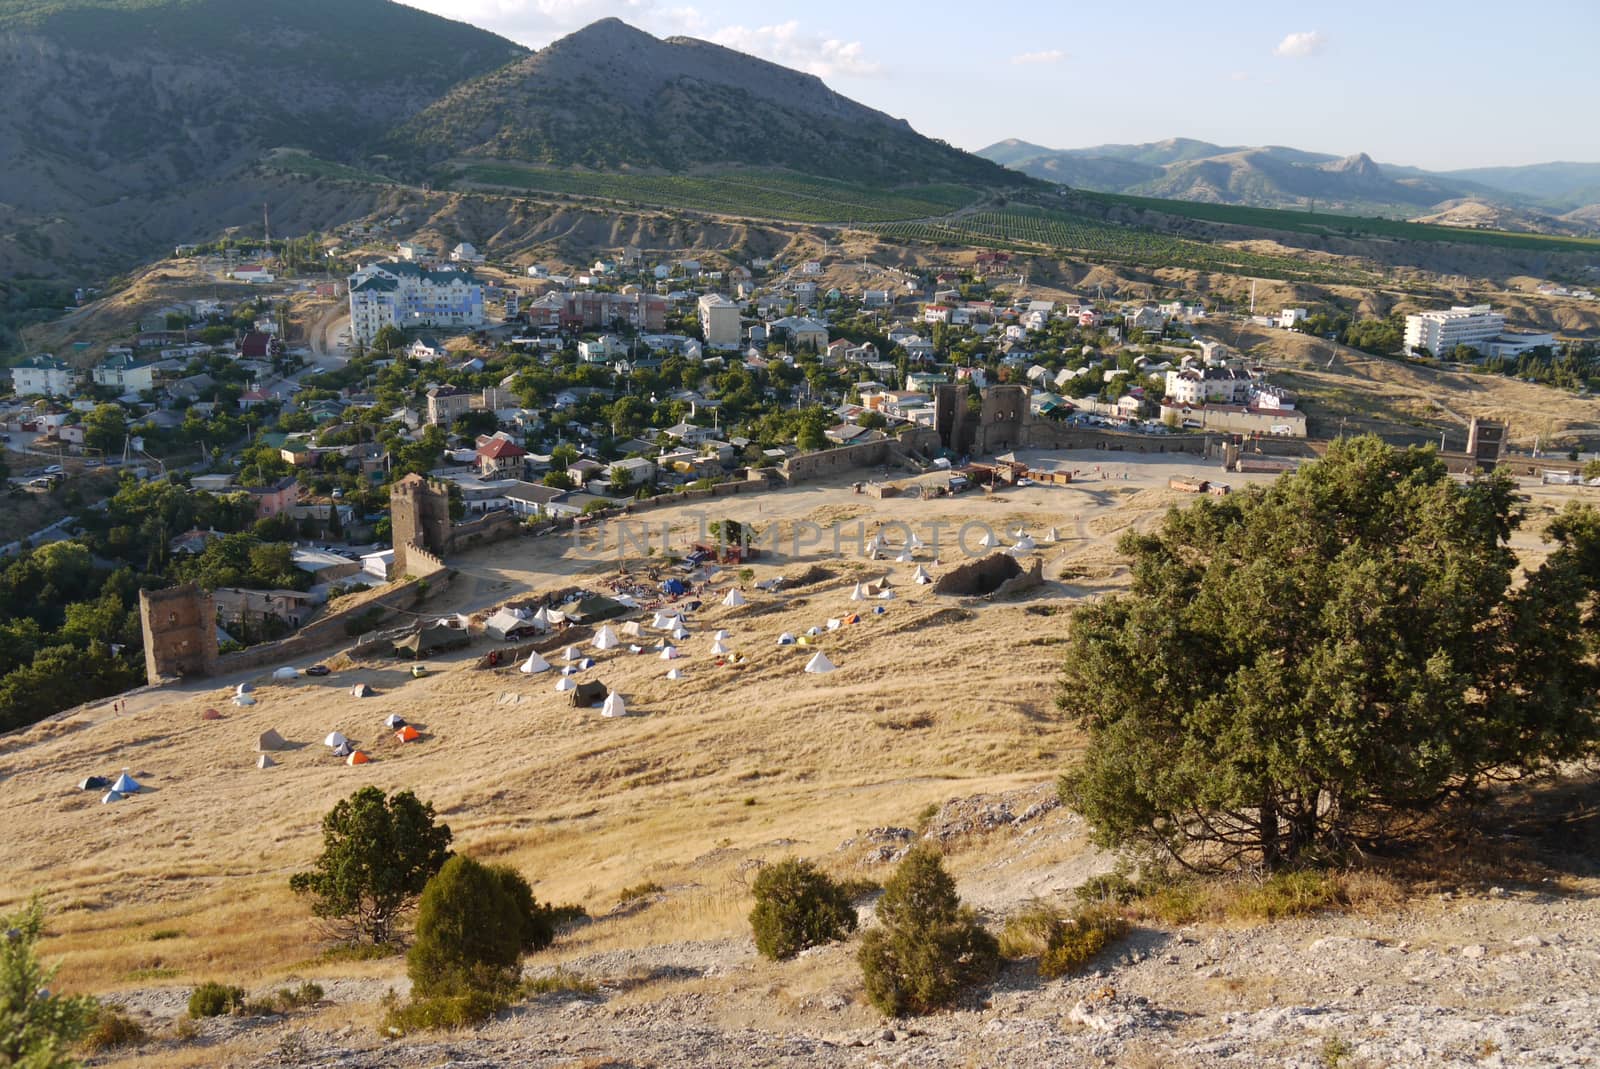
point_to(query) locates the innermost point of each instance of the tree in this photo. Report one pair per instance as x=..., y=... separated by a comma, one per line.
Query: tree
x=37, y=1027
x=798, y=906
x=929, y=946
x=560, y=480
x=473, y=925
x=378, y=854
x=621, y=479
x=388, y=339
x=1322, y=664
x=562, y=456
x=335, y=521
x=104, y=428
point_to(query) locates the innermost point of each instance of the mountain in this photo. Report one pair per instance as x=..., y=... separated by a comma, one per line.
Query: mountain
x=1276, y=176
x=612, y=97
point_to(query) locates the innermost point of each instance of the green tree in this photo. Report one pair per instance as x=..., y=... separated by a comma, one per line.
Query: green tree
x=798, y=906
x=560, y=480
x=562, y=456
x=621, y=479
x=388, y=339
x=37, y=1027
x=929, y=946
x=471, y=932
x=104, y=428
x=378, y=852
x=1324, y=663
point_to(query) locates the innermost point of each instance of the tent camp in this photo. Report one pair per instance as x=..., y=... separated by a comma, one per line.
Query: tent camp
x=588, y=695
x=858, y=594
x=786, y=639
x=571, y=653
x=509, y=623
x=566, y=683
x=675, y=673
x=94, y=783
x=670, y=653
x=593, y=609
x=921, y=576
x=265, y=762
x=285, y=672
x=606, y=639
x=270, y=740
x=112, y=796
x=430, y=639
x=535, y=664
x=394, y=721
x=819, y=664
x=734, y=598
x=357, y=758
x=613, y=706
x=125, y=784
x=244, y=699
x=408, y=734
x=335, y=740
x=719, y=648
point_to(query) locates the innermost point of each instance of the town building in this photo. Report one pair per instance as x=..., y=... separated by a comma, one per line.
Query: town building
x=406, y=295
x=124, y=373
x=445, y=403
x=719, y=320
x=45, y=375
x=1440, y=332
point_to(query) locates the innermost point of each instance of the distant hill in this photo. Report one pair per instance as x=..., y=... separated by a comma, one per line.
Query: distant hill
x=1281, y=177
x=611, y=97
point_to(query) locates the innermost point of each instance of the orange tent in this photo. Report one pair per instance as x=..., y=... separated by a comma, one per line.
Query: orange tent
x=210, y=714
x=853, y=618
x=408, y=734
x=357, y=758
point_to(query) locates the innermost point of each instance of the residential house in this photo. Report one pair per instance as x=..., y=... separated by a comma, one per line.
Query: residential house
x=466, y=253
x=689, y=434
x=276, y=497
x=602, y=349
x=719, y=321
x=1192, y=386
x=322, y=565
x=875, y=299
x=44, y=375
x=1146, y=319
x=241, y=608
x=936, y=313
x=533, y=499
x=446, y=403
x=641, y=472
x=918, y=348
x=251, y=398
x=256, y=346
x=125, y=374
x=411, y=252
x=802, y=333
x=426, y=348
x=500, y=458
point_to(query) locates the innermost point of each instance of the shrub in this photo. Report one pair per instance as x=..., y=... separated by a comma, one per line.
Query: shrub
x=1107, y=887
x=36, y=1026
x=929, y=947
x=639, y=890
x=113, y=1028
x=212, y=999
x=285, y=1000
x=1028, y=932
x=444, y=1012
x=1077, y=941
x=559, y=981
x=471, y=933
x=538, y=922
x=1287, y=894
x=798, y=906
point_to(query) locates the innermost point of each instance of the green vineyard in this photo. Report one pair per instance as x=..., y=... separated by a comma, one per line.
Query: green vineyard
x=765, y=195
x=1024, y=230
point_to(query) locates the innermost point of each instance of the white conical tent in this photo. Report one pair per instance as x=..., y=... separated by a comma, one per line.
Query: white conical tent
x=1052, y=536
x=905, y=556
x=535, y=663
x=265, y=762
x=606, y=639
x=566, y=683
x=112, y=796
x=719, y=648
x=786, y=639
x=670, y=653
x=916, y=542
x=858, y=594
x=1025, y=545
x=541, y=619
x=679, y=633
x=675, y=673
x=125, y=784
x=819, y=664
x=335, y=739
x=734, y=598
x=722, y=633
x=989, y=541
x=921, y=575
x=662, y=622
x=571, y=653
x=613, y=705
x=876, y=544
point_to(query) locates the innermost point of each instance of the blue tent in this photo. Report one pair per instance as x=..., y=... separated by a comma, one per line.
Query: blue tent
x=94, y=783
x=675, y=587
x=125, y=785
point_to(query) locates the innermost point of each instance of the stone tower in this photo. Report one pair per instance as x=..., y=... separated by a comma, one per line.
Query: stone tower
x=180, y=632
x=419, y=515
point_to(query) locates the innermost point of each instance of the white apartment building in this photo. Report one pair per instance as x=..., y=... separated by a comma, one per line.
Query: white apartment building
x=1440, y=332
x=406, y=295
x=1197, y=386
x=44, y=375
x=719, y=319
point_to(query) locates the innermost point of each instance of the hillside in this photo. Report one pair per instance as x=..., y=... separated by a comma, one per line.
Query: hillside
x=612, y=97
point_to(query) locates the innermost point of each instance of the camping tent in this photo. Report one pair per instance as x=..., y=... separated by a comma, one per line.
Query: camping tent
x=1052, y=536
x=535, y=664
x=510, y=623
x=606, y=639
x=344, y=749
x=566, y=683
x=408, y=734
x=734, y=598
x=210, y=714
x=723, y=633
x=244, y=699
x=431, y=638
x=94, y=783
x=592, y=610
x=362, y=690
x=1025, y=545
x=786, y=639
x=587, y=662
x=630, y=629
x=988, y=541
x=112, y=796
x=285, y=672
x=125, y=784
x=670, y=653
x=679, y=633
x=270, y=740
x=674, y=587
x=589, y=694
x=243, y=688
x=394, y=721
x=675, y=673
x=858, y=594
x=916, y=542
x=886, y=595
x=719, y=648
x=613, y=706
x=335, y=739
x=570, y=654
x=545, y=618
x=905, y=556
x=921, y=575
x=819, y=664
x=357, y=758
x=265, y=762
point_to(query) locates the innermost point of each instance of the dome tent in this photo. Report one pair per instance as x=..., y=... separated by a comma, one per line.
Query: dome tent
x=94, y=783
x=669, y=653
x=394, y=721
x=786, y=639
x=335, y=739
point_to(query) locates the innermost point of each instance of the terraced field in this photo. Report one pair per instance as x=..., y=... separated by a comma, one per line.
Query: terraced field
x=759, y=194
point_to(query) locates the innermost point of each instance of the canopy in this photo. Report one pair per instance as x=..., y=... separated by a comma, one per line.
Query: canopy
x=509, y=622
x=670, y=653
x=408, y=734
x=285, y=672
x=606, y=639
x=858, y=594
x=265, y=762
x=786, y=639
x=535, y=664
x=335, y=739
x=94, y=783
x=210, y=714
x=589, y=694
x=570, y=654
x=675, y=587
x=394, y=721
x=357, y=758
x=270, y=740
x=734, y=598
x=244, y=699
x=819, y=664
x=613, y=706
x=125, y=784
x=719, y=648
x=566, y=683
x=675, y=673
x=112, y=796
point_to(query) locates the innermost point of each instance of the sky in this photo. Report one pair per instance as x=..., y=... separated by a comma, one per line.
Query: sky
x=1405, y=81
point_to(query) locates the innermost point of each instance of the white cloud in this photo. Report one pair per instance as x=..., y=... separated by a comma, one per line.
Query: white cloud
x=1299, y=45
x=1049, y=55
x=536, y=23
x=788, y=44
x=1239, y=76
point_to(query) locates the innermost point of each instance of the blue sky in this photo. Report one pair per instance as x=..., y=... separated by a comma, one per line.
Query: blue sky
x=1403, y=81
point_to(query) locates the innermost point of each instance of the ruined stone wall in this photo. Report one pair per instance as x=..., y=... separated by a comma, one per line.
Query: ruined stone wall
x=180, y=632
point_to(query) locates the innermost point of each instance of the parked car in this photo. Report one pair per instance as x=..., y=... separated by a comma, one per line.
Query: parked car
x=317, y=670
